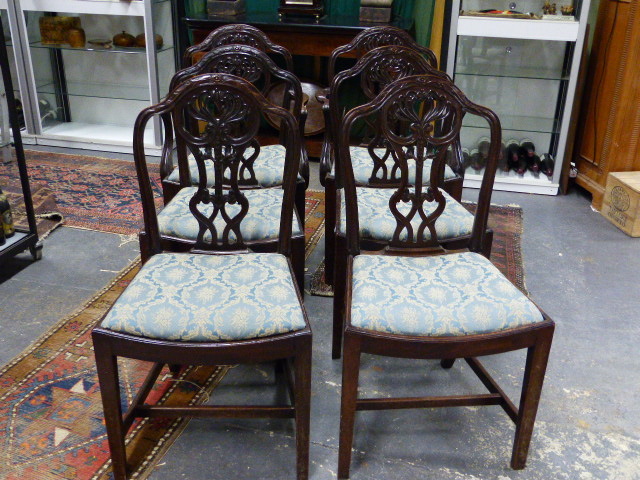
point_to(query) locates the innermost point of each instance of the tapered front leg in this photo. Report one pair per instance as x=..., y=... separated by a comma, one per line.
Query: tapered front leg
x=537, y=357
x=303, y=407
x=107, y=366
x=350, y=375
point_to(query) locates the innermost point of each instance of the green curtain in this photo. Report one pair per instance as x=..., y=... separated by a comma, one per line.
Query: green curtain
x=262, y=5
x=403, y=9
x=342, y=7
x=423, y=15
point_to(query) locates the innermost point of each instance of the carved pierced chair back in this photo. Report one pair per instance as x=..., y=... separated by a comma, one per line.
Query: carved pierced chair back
x=430, y=110
x=375, y=37
x=230, y=110
x=239, y=34
x=375, y=70
x=254, y=66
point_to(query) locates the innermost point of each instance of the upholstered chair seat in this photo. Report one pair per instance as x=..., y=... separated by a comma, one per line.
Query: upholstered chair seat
x=376, y=221
x=447, y=295
x=268, y=168
x=262, y=221
x=209, y=298
x=363, y=166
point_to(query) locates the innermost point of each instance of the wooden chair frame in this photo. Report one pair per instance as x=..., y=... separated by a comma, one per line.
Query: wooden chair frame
x=253, y=65
x=374, y=37
x=293, y=349
x=376, y=69
x=535, y=338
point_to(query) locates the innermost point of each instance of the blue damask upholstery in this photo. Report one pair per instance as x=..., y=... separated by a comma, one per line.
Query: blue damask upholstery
x=363, y=166
x=378, y=223
x=446, y=295
x=268, y=167
x=208, y=298
x=262, y=221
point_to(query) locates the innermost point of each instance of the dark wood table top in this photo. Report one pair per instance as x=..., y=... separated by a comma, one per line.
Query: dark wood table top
x=271, y=21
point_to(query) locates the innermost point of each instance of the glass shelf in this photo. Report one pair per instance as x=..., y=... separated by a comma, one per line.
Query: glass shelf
x=89, y=48
x=101, y=90
x=133, y=8
x=516, y=123
x=511, y=72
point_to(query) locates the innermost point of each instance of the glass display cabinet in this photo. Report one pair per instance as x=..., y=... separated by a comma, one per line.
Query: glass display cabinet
x=522, y=61
x=5, y=130
x=88, y=95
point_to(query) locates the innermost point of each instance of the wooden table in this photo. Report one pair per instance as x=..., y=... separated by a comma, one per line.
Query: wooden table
x=300, y=35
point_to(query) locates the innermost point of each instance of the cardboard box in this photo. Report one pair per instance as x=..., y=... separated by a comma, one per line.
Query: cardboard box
x=621, y=203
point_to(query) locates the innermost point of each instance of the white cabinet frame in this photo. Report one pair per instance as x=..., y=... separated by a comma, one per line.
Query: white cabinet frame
x=553, y=30
x=102, y=137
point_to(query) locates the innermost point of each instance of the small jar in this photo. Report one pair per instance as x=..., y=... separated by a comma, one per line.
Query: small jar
x=76, y=37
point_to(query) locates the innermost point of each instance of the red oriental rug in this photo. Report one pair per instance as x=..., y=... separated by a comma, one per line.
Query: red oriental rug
x=91, y=192
x=51, y=423
x=102, y=193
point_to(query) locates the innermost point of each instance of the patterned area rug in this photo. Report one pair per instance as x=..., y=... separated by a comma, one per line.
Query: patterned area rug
x=91, y=192
x=506, y=254
x=46, y=209
x=313, y=220
x=102, y=193
x=51, y=424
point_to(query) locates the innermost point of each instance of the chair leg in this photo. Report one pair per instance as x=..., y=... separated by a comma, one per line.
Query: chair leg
x=300, y=201
x=453, y=187
x=447, y=362
x=487, y=243
x=107, y=367
x=297, y=262
x=350, y=375
x=169, y=190
x=145, y=247
x=329, y=231
x=339, y=293
x=536, y=366
x=303, y=410
x=175, y=370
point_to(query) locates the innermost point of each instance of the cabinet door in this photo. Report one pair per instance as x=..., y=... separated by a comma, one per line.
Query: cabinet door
x=609, y=127
x=525, y=83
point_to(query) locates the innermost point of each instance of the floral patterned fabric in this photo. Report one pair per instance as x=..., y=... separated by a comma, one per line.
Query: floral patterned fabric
x=208, y=298
x=363, y=166
x=447, y=295
x=262, y=221
x=378, y=223
x=268, y=167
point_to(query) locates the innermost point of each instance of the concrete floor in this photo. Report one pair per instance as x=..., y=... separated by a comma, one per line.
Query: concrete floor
x=579, y=268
